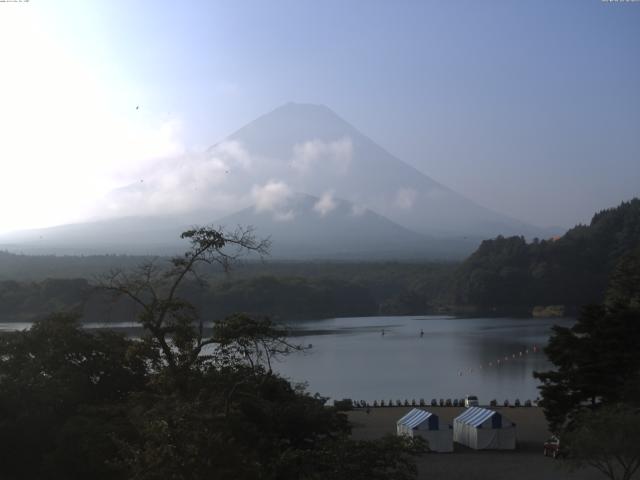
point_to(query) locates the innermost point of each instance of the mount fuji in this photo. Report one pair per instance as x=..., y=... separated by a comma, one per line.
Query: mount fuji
x=299, y=174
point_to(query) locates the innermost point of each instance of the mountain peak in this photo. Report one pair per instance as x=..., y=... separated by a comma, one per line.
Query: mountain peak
x=298, y=106
x=293, y=123
x=309, y=148
x=305, y=112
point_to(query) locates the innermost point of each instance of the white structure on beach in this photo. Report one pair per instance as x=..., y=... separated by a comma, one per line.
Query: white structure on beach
x=483, y=429
x=426, y=425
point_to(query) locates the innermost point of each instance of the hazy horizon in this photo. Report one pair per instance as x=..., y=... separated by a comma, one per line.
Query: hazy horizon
x=531, y=110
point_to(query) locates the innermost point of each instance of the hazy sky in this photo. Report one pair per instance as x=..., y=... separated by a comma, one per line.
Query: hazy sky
x=529, y=108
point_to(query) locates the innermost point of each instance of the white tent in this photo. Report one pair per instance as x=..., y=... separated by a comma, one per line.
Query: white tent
x=426, y=425
x=482, y=429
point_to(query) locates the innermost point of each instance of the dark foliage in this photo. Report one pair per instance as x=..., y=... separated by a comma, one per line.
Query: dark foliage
x=176, y=403
x=62, y=394
x=77, y=405
x=606, y=439
x=573, y=270
x=597, y=360
x=287, y=292
x=388, y=458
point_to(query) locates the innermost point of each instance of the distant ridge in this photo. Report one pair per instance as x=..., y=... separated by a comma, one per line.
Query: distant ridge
x=300, y=231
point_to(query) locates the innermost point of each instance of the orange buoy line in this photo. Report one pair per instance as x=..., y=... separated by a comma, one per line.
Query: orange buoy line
x=498, y=361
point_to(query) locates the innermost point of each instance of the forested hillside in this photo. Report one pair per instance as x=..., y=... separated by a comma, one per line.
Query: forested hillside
x=505, y=275
x=20, y=267
x=573, y=270
x=285, y=291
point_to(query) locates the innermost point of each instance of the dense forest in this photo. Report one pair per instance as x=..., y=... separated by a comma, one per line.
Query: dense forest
x=506, y=275
x=177, y=402
x=510, y=274
x=283, y=291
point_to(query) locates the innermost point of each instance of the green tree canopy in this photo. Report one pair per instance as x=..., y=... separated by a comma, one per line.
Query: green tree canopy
x=183, y=402
x=61, y=393
x=597, y=360
x=572, y=270
x=607, y=439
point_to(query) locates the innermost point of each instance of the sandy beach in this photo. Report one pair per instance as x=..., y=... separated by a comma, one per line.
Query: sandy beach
x=525, y=463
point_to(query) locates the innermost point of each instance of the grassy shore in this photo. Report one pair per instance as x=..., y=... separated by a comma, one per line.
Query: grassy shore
x=525, y=463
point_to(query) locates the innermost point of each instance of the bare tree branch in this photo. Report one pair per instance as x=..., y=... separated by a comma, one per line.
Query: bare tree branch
x=173, y=323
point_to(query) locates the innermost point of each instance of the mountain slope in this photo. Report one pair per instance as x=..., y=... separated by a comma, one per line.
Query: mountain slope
x=127, y=235
x=304, y=226
x=313, y=150
x=295, y=148
x=309, y=149
x=300, y=227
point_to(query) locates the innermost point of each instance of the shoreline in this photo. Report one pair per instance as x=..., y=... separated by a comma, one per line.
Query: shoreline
x=526, y=462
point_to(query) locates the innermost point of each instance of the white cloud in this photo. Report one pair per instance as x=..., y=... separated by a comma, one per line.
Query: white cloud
x=76, y=130
x=325, y=204
x=177, y=184
x=232, y=152
x=405, y=198
x=334, y=156
x=67, y=126
x=271, y=197
x=173, y=185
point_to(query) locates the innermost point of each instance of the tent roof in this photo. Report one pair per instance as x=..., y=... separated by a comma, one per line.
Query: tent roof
x=414, y=418
x=475, y=416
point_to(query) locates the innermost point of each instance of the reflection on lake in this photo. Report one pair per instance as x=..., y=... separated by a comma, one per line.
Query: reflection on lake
x=351, y=358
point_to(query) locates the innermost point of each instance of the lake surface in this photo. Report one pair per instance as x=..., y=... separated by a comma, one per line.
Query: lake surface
x=350, y=358
x=456, y=356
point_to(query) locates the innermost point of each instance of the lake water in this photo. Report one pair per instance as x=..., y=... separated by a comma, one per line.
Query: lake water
x=350, y=358
x=456, y=356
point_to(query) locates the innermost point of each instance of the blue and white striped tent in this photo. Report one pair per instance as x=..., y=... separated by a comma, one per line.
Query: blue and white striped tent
x=425, y=424
x=481, y=428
